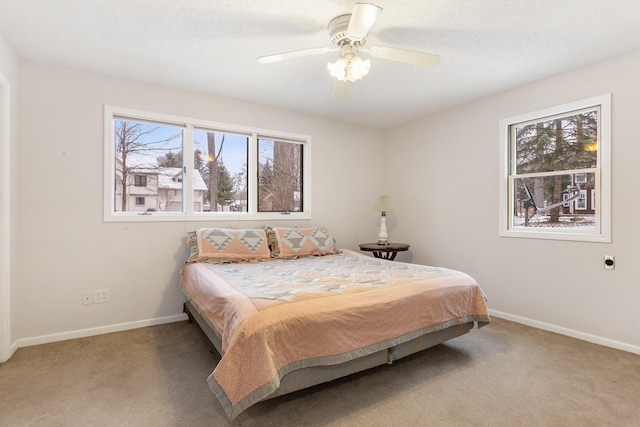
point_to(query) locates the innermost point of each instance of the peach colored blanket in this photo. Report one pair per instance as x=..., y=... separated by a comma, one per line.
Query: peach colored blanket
x=281, y=315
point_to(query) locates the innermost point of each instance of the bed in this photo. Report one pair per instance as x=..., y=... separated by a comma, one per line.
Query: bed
x=286, y=310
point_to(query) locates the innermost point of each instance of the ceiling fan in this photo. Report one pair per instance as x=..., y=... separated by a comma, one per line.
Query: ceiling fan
x=349, y=33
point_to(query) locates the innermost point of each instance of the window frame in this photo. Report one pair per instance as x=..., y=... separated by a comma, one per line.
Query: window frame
x=602, y=232
x=301, y=166
x=188, y=214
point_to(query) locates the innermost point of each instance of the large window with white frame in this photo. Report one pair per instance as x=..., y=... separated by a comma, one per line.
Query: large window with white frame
x=161, y=167
x=551, y=160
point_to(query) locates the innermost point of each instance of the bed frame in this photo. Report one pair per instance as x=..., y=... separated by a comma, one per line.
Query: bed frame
x=310, y=376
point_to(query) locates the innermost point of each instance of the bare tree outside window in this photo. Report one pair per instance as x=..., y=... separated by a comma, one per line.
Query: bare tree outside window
x=279, y=176
x=221, y=159
x=137, y=148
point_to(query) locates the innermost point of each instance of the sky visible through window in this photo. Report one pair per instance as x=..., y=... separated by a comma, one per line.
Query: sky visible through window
x=234, y=154
x=234, y=151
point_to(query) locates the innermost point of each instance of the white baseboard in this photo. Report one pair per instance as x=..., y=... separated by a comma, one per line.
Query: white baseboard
x=12, y=349
x=81, y=333
x=568, y=332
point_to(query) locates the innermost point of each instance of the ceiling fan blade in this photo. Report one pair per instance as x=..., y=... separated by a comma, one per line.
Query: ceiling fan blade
x=362, y=19
x=407, y=56
x=340, y=89
x=295, y=54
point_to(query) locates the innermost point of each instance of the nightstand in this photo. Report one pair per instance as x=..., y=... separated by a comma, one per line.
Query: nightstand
x=384, y=251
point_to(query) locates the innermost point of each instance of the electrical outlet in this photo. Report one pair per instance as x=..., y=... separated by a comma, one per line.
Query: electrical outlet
x=100, y=296
x=609, y=262
x=87, y=297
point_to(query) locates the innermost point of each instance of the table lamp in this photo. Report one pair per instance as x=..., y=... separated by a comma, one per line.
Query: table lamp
x=383, y=205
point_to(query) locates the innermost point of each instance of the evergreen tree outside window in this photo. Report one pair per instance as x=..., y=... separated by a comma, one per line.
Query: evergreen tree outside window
x=551, y=160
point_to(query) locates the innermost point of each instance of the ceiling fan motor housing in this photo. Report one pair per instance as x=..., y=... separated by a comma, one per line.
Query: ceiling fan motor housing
x=338, y=32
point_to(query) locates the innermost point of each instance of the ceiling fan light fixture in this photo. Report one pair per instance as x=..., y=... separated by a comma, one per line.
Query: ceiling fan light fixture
x=358, y=68
x=349, y=70
x=338, y=69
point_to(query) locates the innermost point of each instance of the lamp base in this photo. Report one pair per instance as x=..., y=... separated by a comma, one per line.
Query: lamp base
x=383, y=237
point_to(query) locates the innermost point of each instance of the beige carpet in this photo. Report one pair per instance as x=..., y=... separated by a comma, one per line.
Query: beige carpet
x=502, y=375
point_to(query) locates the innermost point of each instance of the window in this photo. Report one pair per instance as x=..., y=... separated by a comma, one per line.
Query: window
x=551, y=160
x=170, y=168
x=581, y=201
x=147, y=157
x=140, y=180
x=221, y=167
x=279, y=176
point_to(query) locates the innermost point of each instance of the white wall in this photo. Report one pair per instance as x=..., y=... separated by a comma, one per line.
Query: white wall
x=8, y=157
x=65, y=247
x=443, y=174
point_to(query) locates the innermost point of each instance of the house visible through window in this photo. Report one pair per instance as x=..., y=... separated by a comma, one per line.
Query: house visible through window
x=147, y=158
x=174, y=168
x=552, y=160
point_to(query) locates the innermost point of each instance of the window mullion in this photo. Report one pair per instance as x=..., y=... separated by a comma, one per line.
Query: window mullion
x=553, y=173
x=252, y=174
x=187, y=169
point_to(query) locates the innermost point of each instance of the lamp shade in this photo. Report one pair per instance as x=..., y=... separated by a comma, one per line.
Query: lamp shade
x=383, y=204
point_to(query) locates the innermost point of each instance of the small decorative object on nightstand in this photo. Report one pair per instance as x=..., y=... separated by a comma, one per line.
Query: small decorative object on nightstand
x=387, y=251
x=383, y=205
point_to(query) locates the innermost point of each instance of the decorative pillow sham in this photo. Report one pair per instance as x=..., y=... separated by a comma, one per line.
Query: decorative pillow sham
x=222, y=245
x=289, y=242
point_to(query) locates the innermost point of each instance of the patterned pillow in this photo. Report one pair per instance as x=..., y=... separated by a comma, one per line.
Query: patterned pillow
x=220, y=245
x=289, y=242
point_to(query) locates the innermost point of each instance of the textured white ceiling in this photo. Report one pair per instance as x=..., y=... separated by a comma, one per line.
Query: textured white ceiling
x=210, y=46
